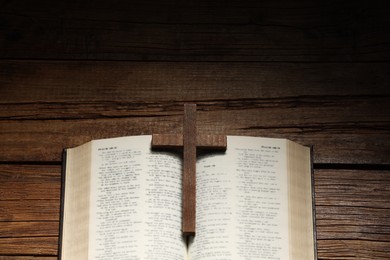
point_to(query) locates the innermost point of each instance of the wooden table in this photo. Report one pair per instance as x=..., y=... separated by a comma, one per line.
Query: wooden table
x=314, y=72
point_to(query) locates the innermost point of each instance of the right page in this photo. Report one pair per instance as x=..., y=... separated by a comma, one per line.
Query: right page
x=243, y=203
x=301, y=202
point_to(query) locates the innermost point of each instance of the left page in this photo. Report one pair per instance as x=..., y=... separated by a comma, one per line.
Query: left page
x=135, y=202
x=75, y=203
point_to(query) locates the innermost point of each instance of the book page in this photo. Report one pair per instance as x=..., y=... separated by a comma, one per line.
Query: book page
x=135, y=203
x=75, y=218
x=242, y=203
x=301, y=212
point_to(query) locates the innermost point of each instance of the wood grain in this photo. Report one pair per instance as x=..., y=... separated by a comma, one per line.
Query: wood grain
x=29, y=246
x=341, y=109
x=30, y=182
x=189, y=170
x=217, y=142
x=353, y=249
x=28, y=257
x=196, y=30
x=352, y=212
x=29, y=210
x=32, y=229
x=35, y=88
x=333, y=142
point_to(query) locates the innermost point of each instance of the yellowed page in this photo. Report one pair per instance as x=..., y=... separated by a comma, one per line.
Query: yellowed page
x=129, y=205
x=242, y=204
x=301, y=221
x=135, y=201
x=76, y=203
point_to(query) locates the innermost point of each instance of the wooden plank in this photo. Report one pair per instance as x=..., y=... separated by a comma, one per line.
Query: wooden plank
x=335, y=187
x=20, y=182
x=47, y=246
x=196, y=30
x=28, y=237
x=29, y=222
x=29, y=210
x=352, y=214
x=31, y=229
x=28, y=193
x=353, y=222
x=312, y=102
x=52, y=89
x=334, y=139
x=353, y=249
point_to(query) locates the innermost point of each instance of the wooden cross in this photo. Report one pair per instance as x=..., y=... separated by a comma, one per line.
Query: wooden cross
x=189, y=141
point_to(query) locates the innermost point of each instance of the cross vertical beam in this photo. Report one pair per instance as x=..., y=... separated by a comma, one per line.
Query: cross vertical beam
x=189, y=141
x=189, y=166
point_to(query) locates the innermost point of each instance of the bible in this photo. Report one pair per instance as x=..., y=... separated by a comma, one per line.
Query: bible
x=122, y=200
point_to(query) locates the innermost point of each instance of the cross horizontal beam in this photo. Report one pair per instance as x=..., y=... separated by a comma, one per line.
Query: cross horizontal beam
x=215, y=142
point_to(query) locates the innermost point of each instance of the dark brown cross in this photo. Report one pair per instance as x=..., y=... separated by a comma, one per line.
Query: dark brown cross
x=189, y=141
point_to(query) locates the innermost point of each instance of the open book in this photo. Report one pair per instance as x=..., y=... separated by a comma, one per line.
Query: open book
x=123, y=201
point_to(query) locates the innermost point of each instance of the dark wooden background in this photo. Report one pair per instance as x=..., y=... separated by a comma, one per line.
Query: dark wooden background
x=316, y=72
